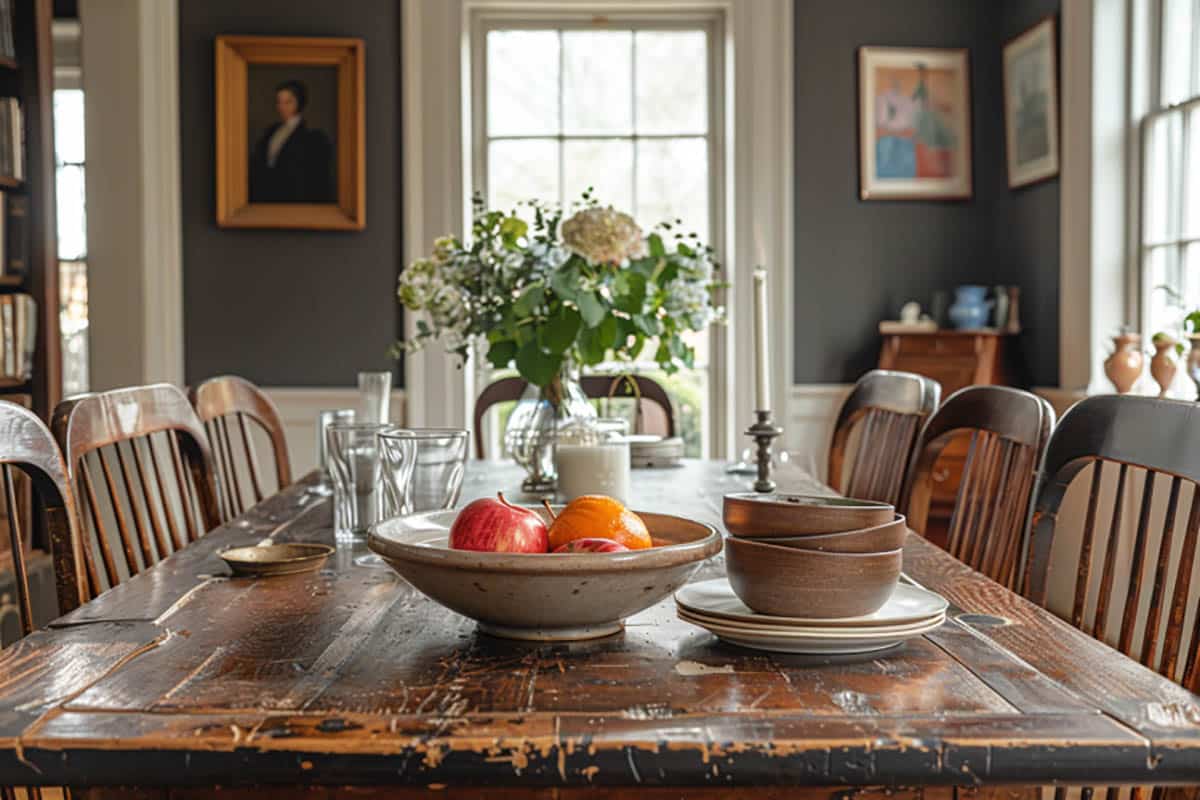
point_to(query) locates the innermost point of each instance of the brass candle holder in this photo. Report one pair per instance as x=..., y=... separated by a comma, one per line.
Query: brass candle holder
x=763, y=431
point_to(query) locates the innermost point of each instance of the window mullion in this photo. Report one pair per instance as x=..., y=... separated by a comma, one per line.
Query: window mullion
x=633, y=141
x=562, y=165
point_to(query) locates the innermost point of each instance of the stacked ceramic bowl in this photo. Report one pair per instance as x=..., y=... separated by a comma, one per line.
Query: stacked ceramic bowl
x=812, y=575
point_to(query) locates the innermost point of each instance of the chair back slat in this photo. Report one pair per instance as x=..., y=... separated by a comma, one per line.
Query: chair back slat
x=230, y=407
x=20, y=574
x=108, y=438
x=875, y=431
x=1008, y=430
x=27, y=445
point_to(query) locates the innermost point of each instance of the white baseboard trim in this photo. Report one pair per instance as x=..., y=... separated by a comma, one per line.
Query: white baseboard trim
x=299, y=406
x=808, y=422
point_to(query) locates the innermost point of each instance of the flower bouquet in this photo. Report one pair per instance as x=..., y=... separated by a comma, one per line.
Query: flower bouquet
x=552, y=295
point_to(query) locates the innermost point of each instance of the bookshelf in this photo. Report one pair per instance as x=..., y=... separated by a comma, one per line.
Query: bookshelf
x=27, y=74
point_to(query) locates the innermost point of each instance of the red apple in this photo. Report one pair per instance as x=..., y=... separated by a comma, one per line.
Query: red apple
x=500, y=527
x=593, y=544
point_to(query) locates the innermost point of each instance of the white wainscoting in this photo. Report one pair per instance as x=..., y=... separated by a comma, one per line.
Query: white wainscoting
x=298, y=408
x=808, y=423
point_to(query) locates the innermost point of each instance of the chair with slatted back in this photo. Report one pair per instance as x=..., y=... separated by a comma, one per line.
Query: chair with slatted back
x=1008, y=429
x=27, y=445
x=228, y=406
x=875, y=431
x=140, y=463
x=646, y=391
x=1142, y=453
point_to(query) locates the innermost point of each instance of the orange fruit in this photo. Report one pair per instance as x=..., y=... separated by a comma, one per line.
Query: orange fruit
x=597, y=516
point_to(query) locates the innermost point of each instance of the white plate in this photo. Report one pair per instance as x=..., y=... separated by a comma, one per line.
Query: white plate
x=715, y=598
x=812, y=645
x=802, y=630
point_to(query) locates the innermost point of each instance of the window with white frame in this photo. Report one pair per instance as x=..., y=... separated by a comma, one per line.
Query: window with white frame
x=1170, y=206
x=627, y=108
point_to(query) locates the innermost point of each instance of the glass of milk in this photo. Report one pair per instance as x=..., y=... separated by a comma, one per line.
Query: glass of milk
x=592, y=457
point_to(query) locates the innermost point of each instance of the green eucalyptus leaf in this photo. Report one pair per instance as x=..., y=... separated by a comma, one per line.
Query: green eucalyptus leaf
x=501, y=353
x=536, y=366
x=647, y=324
x=630, y=290
x=654, y=243
x=595, y=343
x=528, y=300
x=591, y=309
x=662, y=355
x=565, y=282
x=559, y=331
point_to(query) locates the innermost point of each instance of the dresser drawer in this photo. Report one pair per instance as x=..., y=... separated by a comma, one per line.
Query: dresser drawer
x=937, y=346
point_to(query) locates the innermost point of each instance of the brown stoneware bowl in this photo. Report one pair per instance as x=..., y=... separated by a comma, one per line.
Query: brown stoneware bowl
x=786, y=582
x=544, y=596
x=888, y=536
x=764, y=516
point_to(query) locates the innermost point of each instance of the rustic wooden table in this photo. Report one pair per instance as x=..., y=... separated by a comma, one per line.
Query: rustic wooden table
x=185, y=678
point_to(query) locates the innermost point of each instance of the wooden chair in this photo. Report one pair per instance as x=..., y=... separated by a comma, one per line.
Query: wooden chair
x=228, y=402
x=875, y=432
x=26, y=444
x=647, y=391
x=1143, y=600
x=140, y=461
x=1009, y=429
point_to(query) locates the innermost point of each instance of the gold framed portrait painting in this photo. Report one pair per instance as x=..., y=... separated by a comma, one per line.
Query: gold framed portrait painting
x=1031, y=105
x=290, y=133
x=914, y=124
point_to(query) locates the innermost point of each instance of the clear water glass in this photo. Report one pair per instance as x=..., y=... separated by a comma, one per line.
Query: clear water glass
x=423, y=468
x=353, y=454
x=324, y=420
x=375, y=391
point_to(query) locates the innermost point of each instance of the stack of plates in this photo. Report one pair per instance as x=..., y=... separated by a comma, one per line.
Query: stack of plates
x=712, y=605
x=646, y=450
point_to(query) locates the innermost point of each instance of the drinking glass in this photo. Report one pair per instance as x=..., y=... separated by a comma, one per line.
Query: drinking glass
x=353, y=453
x=324, y=420
x=375, y=389
x=423, y=468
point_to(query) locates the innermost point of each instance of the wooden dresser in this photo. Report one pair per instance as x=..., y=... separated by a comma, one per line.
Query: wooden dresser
x=954, y=359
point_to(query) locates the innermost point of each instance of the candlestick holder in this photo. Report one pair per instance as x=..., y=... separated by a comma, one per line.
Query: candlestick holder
x=763, y=431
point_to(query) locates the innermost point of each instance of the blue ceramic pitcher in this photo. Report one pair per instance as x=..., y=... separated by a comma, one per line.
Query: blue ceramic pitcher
x=971, y=307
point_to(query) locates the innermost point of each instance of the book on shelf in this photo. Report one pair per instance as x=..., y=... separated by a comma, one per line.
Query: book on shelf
x=18, y=336
x=8, y=47
x=12, y=139
x=14, y=241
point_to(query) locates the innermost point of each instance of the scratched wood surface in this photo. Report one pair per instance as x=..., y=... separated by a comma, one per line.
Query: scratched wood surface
x=183, y=677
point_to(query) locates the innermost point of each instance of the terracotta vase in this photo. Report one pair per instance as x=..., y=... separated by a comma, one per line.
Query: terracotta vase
x=1164, y=365
x=1125, y=365
x=1193, y=361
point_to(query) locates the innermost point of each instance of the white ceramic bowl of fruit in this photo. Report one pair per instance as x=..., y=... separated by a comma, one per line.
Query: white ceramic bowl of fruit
x=549, y=574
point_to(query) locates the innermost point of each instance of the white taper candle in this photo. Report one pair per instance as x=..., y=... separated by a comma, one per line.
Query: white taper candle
x=762, y=365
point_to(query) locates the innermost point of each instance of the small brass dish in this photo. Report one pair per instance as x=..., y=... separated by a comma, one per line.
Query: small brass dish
x=276, y=559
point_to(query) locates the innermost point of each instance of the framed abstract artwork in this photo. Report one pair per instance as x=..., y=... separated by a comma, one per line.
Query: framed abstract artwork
x=914, y=114
x=1031, y=105
x=290, y=133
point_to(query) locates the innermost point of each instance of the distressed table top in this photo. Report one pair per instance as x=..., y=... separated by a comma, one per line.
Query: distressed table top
x=349, y=676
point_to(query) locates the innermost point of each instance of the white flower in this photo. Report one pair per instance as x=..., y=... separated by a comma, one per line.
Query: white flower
x=603, y=236
x=688, y=300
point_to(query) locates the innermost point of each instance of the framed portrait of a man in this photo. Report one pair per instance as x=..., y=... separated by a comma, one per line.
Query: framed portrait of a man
x=290, y=133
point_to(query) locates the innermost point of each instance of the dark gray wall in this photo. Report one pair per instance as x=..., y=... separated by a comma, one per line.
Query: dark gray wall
x=857, y=262
x=289, y=308
x=1027, y=236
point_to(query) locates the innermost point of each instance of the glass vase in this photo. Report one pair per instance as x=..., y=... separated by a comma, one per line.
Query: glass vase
x=533, y=426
